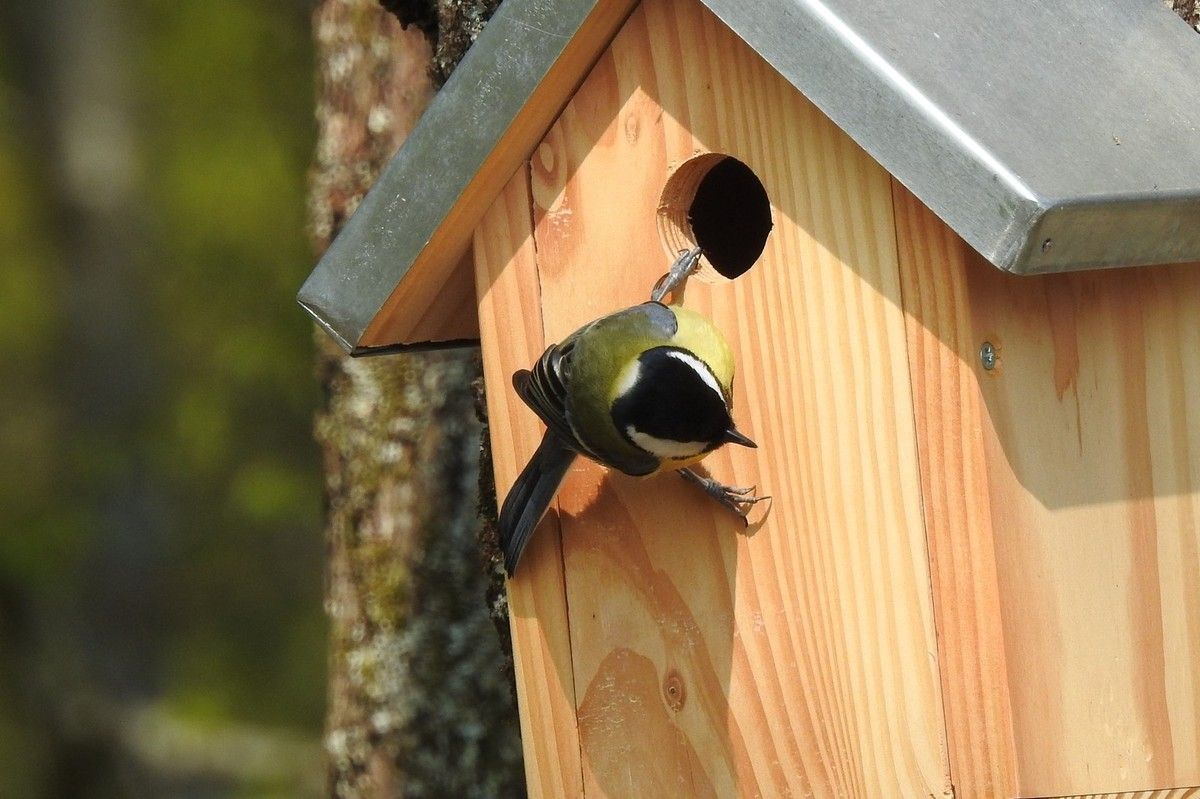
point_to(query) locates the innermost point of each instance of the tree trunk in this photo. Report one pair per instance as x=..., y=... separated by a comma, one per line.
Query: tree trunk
x=421, y=698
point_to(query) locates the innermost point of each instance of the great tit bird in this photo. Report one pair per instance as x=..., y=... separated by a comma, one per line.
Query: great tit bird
x=642, y=390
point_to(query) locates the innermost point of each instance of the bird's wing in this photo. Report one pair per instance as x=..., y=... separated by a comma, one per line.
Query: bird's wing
x=544, y=389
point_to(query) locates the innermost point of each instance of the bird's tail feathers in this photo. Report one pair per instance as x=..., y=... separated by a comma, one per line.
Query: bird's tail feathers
x=530, y=496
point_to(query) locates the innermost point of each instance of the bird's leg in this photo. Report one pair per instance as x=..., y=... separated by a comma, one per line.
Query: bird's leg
x=684, y=265
x=738, y=500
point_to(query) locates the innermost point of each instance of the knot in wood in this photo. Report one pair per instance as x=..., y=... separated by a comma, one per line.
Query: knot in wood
x=674, y=691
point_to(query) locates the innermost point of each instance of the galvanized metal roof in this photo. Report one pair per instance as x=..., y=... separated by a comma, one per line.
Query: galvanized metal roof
x=1051, y=136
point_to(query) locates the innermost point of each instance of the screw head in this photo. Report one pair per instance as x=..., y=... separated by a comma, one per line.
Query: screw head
x=987, y=355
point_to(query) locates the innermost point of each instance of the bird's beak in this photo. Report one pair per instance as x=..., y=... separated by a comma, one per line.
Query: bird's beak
x=732, y=436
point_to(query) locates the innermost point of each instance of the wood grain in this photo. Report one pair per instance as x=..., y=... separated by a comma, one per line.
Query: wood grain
x=511, y=339
x=800, y=660
x=1061, y=491
x=434, y=266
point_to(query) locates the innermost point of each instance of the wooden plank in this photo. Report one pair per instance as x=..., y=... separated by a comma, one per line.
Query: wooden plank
x=430, y=270
x=512, y=338
x=1080, y=459
x=800, y=660
x=966, y=594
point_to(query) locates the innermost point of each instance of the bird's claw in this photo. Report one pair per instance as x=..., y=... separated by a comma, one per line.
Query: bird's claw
x=687, y=263
x=737, y=499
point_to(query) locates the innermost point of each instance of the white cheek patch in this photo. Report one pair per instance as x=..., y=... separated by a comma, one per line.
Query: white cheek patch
x=700, y=369
x=663, y=448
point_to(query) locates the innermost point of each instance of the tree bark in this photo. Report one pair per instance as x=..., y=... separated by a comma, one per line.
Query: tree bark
x=420, y=697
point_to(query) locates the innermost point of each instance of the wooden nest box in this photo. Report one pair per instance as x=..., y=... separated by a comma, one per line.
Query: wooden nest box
x=981, y=572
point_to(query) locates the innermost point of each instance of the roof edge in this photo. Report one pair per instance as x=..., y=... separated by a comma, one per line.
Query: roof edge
x=1109, y=232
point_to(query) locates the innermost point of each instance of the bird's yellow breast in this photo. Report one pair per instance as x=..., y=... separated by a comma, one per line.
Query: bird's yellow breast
x=674, y=464
x=699, y=335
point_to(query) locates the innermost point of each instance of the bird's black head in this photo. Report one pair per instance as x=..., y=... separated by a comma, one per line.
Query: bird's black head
x=674, y=406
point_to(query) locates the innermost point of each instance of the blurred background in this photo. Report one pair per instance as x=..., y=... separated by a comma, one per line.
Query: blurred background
x=161, y=631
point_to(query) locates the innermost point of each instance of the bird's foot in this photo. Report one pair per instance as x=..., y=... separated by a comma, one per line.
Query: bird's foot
x=738, y=500
x=687, y=263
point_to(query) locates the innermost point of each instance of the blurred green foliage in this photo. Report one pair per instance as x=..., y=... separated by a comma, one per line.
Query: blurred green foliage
x=199, y=505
